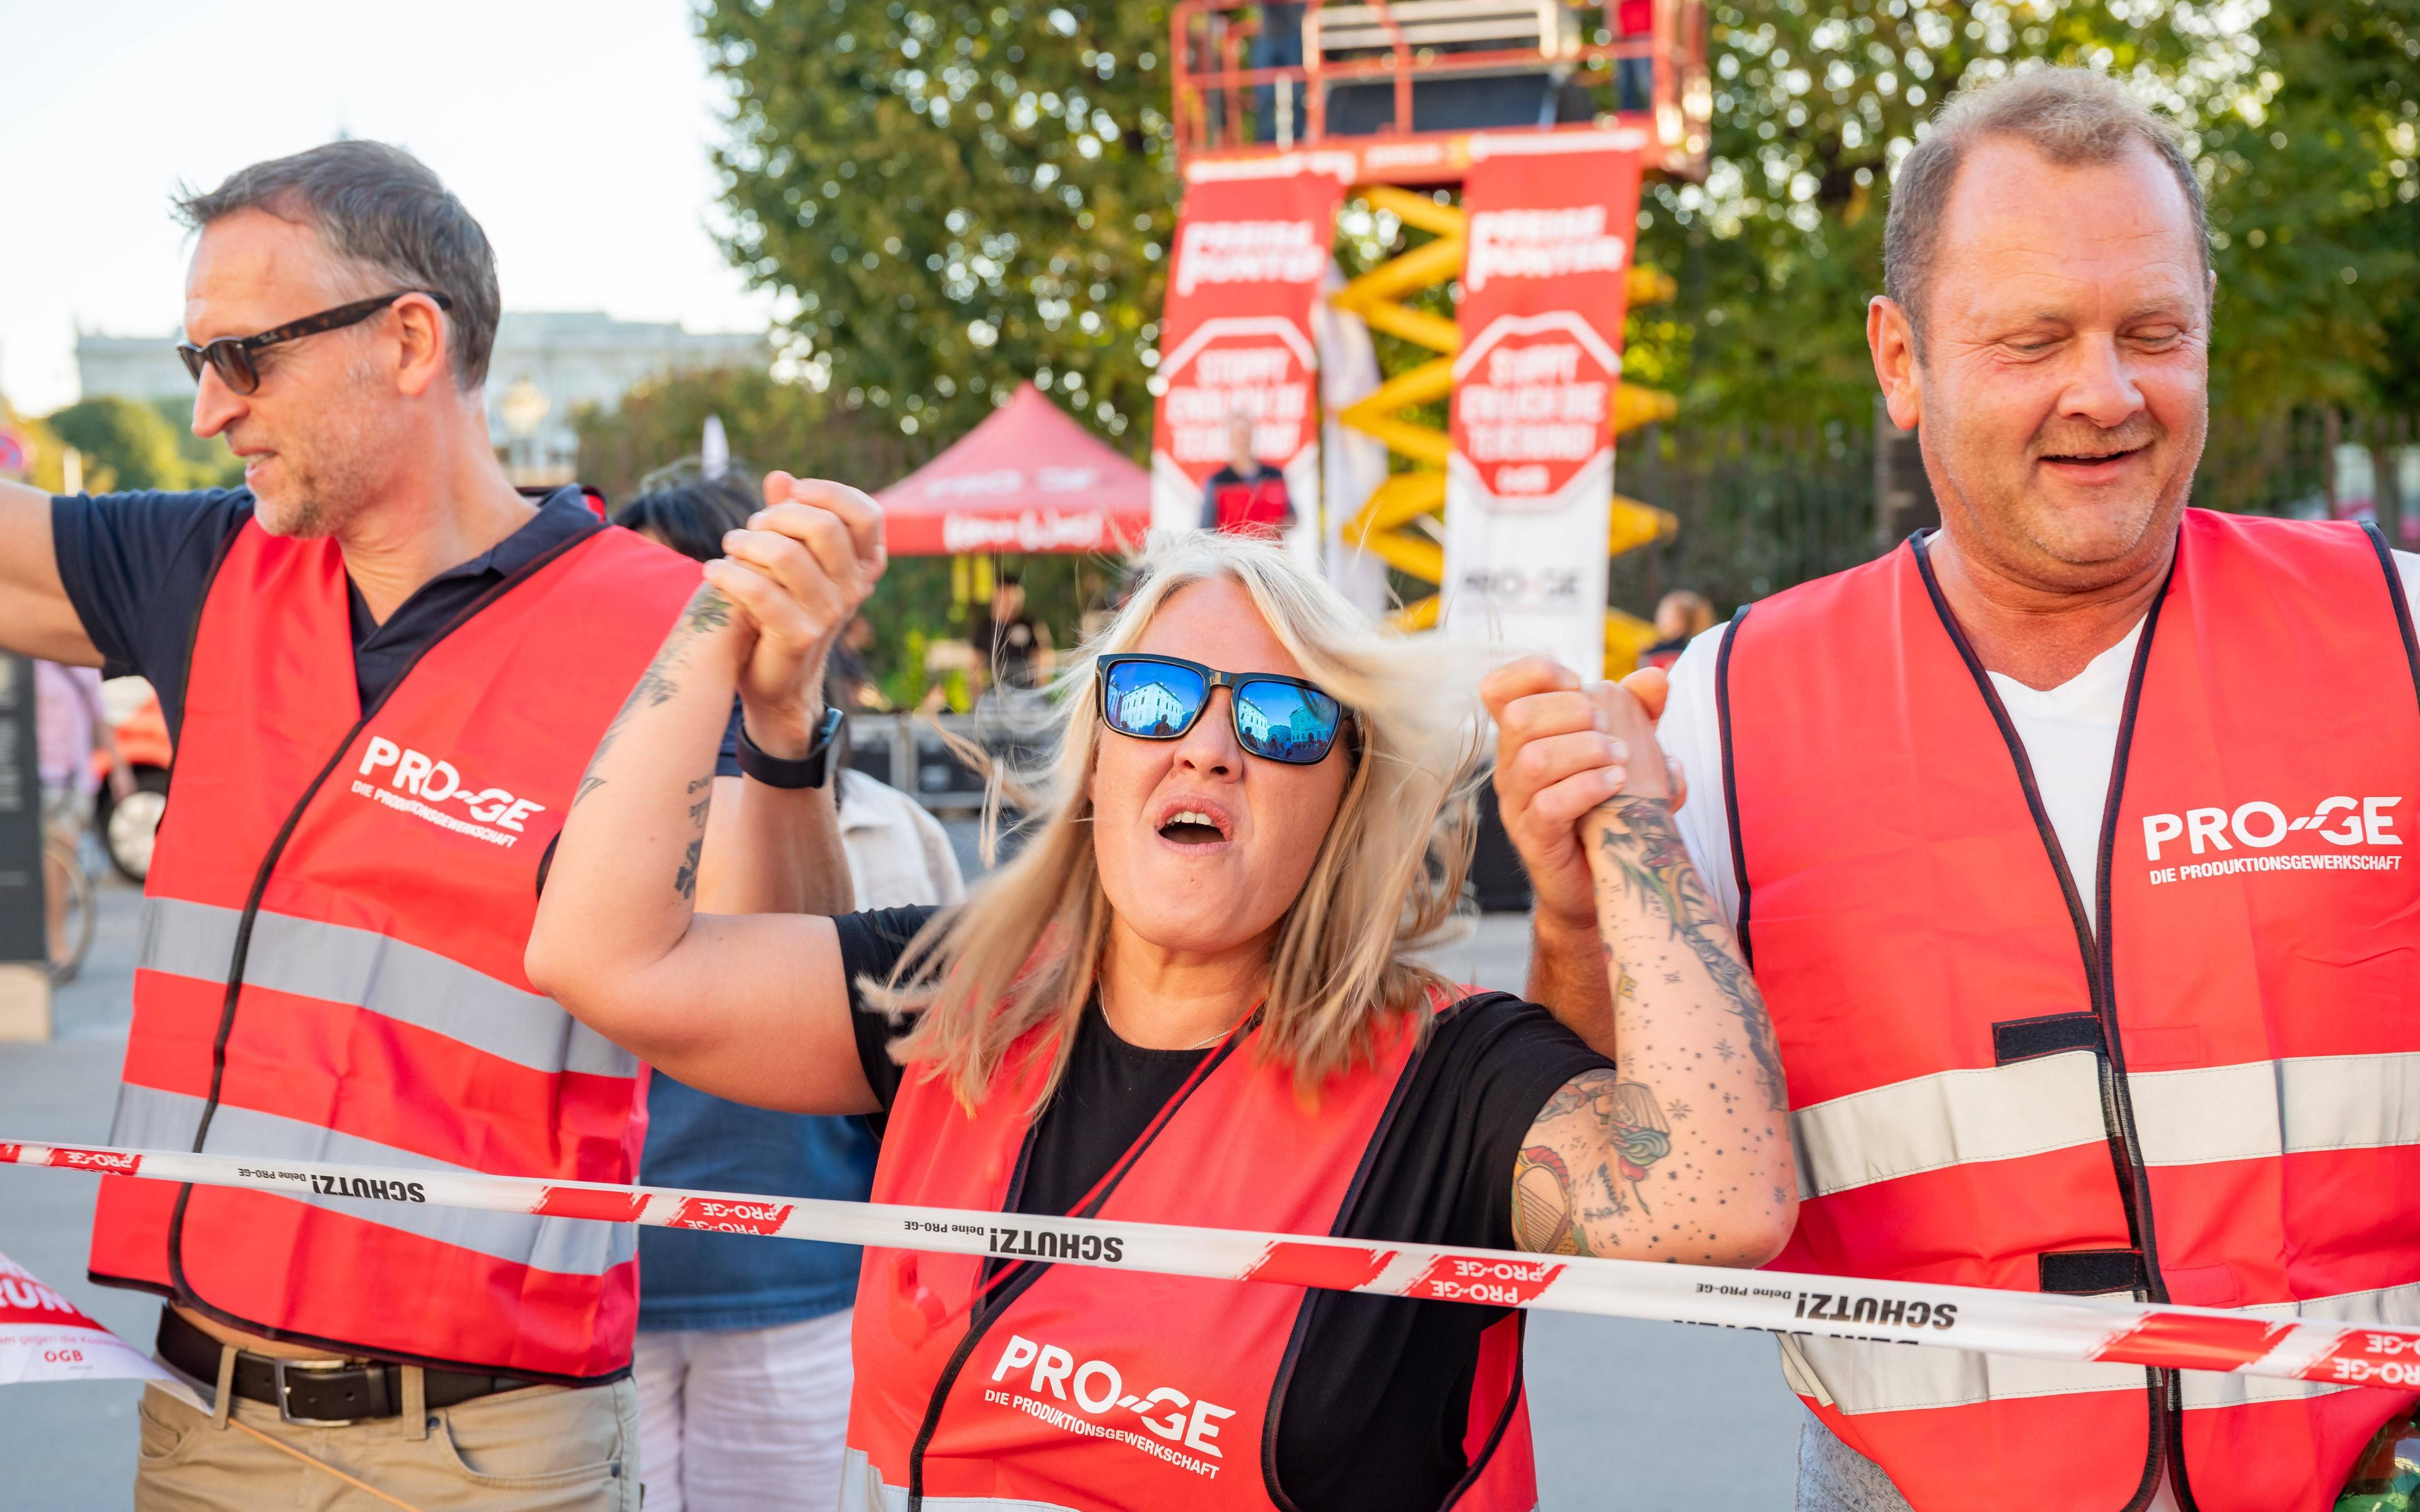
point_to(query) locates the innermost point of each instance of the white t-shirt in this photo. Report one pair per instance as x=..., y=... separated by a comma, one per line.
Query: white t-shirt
x=2070, y=733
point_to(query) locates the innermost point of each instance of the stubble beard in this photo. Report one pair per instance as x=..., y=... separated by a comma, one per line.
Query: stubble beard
x=2066, y=549
x=329, y=476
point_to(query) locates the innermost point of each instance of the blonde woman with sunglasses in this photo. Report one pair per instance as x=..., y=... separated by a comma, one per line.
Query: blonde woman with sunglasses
x=1194, y=996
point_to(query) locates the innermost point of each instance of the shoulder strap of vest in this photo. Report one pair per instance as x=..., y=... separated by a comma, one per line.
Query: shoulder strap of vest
x=1730, y=781
x=2395, y=592
x=201, y=602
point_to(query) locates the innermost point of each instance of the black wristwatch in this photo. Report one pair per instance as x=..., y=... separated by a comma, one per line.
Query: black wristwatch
x=813, y=770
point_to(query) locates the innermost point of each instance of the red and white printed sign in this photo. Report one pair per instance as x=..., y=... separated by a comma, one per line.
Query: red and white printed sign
x=43, y=1336
x=1237, y=338
x=1529, y=486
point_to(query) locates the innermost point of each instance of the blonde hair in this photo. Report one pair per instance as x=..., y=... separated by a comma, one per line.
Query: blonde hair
x=1024, y=951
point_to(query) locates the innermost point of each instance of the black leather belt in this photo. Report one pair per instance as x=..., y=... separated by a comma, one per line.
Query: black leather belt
x=345, y=1392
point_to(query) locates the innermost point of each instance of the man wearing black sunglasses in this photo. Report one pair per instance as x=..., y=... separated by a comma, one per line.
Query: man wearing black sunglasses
x=385, y=668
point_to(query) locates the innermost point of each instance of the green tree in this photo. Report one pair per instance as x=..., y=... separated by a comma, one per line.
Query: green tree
x=2302, y=119
x=951, y=199
x=771, y=424
x=208, y=462
x=2315, y=210
x=126, y=440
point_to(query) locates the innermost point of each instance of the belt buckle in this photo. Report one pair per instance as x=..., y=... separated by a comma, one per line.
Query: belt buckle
x=277, y=1379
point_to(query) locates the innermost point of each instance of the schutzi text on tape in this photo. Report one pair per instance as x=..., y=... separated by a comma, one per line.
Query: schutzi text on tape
x=1898, y=1312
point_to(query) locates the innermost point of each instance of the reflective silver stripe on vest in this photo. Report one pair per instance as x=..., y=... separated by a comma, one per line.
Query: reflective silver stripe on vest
x=149, y=1119
x=340, y=964
x=2262, y=1108
x=2276, y=1107
x=861, y=1489
x=1949, y=1117
x=2387, y=1305
x=1858, y=1376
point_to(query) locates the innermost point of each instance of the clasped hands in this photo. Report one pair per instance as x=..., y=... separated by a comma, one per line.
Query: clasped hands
x=1564, y=749
x=797, y=573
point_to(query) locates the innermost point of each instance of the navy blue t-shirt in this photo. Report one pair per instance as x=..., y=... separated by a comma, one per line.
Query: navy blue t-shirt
x=137, y=566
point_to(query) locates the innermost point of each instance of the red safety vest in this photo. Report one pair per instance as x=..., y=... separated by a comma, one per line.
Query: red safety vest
x=1084, y=1388
x=2210, y=1093
x=331, y=969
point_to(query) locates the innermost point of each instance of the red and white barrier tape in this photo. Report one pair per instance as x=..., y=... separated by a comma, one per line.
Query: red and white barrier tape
x=1900, y=1312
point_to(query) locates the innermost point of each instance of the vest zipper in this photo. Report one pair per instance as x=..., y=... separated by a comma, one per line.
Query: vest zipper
x=2094, y=945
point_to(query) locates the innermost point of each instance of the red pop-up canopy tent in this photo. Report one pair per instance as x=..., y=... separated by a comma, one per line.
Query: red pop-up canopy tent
x=1028, y=479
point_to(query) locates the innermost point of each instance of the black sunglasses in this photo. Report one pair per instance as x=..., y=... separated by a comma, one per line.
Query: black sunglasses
x=232, y=355
x=1279, y=719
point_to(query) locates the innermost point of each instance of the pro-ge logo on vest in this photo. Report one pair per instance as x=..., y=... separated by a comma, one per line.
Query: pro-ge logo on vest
x=2258, y=826
x=1176, y=1422
x=415, y=781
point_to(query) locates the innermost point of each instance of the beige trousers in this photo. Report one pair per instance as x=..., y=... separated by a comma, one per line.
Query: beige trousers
x=540, y=1449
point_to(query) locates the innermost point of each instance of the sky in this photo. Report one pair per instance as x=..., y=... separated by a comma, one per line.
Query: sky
x=576, y=131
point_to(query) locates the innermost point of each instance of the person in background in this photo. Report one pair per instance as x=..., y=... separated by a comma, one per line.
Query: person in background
x=1278, y=44
x=1018, y=651
x=852, y=668
x=1635, y=77
x=1244, y=497
x=1679, y=616
x=68, y=729
x=743, y=1361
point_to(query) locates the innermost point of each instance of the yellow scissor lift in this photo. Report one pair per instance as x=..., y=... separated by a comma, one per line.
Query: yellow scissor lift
x=1389, y=525
x=1401, y=87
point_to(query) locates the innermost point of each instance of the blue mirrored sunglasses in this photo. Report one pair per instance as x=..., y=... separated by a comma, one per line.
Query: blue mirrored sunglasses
x=1277, y=719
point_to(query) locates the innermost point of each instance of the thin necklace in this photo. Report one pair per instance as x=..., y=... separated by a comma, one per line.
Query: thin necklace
x=1103, y=993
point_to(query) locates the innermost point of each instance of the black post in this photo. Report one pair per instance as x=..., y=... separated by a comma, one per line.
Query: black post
x=25, y=956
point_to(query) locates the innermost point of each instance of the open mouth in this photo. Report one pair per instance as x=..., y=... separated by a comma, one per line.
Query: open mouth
x=1193, y=827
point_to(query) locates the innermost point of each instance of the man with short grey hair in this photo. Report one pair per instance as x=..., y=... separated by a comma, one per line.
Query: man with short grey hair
x=2066, y=842
x=385, y=670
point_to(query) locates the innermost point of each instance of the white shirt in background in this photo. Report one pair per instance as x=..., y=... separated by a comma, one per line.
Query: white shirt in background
x=898, y=854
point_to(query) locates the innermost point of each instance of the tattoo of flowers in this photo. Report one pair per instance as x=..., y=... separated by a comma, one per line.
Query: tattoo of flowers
x=1648, y=855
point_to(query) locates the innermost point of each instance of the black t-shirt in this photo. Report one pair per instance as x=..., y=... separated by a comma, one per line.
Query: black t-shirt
x=137, y=566
x=1375, y=1413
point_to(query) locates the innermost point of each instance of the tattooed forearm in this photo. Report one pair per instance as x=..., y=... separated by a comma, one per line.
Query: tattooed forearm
x=1648, y=856
x=1613, y=1131
x=707, y=610
x=685, y=880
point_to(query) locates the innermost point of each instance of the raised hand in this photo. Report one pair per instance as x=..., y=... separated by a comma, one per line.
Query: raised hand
x=1564, y=749
x=803, y=566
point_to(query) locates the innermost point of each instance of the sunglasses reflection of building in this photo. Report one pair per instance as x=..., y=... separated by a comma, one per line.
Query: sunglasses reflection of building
x=1152, y=709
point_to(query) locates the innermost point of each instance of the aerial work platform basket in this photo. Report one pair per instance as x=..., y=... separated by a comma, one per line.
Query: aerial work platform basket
x=1402, y=85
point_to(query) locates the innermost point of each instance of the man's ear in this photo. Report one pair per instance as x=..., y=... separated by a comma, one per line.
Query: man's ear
x=1892, y=340
x=426, y=345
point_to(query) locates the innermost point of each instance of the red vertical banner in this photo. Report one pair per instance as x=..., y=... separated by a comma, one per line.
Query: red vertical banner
x=1235, y=338
x=1530, y=484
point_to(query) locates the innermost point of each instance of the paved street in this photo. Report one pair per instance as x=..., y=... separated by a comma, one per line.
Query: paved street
x=1630, y=1415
